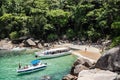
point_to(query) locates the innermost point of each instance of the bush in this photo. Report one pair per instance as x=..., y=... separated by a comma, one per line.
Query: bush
x=115, y=25
x=93, y=35
x=70, y=34
x=115, y=42
x=14, y=35
x=52, y=37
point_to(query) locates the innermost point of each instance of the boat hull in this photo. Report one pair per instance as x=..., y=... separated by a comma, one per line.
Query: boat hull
x=29, y=70
x=54, y=55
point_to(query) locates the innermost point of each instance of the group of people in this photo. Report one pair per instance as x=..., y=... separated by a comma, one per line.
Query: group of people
x=25, y=67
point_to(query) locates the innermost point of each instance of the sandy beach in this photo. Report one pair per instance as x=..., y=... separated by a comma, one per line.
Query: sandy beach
x=91, y=55
x=88, y=52
x=85, y=51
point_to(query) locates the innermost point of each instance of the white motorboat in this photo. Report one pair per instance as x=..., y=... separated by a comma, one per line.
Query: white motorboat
x=52, y=53
x=35, y=66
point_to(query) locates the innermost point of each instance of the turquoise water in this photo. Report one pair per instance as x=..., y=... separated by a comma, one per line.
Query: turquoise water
x=57, y=67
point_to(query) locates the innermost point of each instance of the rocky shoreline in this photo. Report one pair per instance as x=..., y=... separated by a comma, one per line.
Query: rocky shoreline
x=107, y=67
x=80, y=66
x=7, y=44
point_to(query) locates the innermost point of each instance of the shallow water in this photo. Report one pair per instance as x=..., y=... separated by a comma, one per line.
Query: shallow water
x=57, y=67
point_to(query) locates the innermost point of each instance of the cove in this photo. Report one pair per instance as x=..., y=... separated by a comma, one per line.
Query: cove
x=56, y=69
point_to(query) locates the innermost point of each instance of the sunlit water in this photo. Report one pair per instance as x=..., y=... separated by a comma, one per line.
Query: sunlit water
x=57, y=67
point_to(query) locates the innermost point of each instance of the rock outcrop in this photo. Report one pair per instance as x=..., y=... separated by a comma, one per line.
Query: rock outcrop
x=117, y=78
x=96, y=74
x=110, y=60
x=69, y=77
x=4, y=44
x=106, y=68
x=31, y=42
x=79, y=68
x=79, y=65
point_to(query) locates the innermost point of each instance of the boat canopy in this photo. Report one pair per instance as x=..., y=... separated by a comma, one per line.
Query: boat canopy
x=34, y=62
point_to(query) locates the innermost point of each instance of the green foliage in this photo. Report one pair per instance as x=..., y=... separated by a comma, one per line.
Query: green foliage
x=52, y=37
x=92, y=35
x=70, y=34
x=88, y=19
x=14, y=35
x=59, y=17
x=6, y=17
x=115, y=42
x=48, y=27
x=116, y=25
x=102, y=23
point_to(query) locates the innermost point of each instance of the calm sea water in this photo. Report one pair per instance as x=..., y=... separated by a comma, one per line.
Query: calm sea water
x=57, y=67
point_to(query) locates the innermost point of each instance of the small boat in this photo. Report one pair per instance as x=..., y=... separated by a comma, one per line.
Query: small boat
x=36, y=65
x=52, y=53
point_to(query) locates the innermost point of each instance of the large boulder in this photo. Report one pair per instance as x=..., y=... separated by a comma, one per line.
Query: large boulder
x=7, y=45
x=96, y=74
x=84, y=62
x=79, y=65
x=110, y=60
x=69, y=77
x=40, y=45
x=46, y=45
x=79, y=68
x=31, y=42
x=19, y=40
x=24, y=38
x=118, y=77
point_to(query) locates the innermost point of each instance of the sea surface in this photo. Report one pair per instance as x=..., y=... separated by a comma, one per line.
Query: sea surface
x=56, y=69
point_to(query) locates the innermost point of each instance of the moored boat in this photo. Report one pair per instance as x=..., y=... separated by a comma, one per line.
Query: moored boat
x=52, y=53
x=36, y=65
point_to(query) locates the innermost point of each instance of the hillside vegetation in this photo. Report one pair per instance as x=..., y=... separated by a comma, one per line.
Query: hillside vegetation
x=52, y=19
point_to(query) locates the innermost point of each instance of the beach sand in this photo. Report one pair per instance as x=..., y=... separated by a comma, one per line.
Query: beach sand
x=85, y=51
x=88, y=54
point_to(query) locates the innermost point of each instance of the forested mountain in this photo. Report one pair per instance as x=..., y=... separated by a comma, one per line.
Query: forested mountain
x=52, y=19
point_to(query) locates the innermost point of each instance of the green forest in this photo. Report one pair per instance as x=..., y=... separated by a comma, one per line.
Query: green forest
x=52, y=19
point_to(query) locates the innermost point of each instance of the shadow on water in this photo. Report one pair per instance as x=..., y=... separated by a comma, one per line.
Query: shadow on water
x=40, y=58
x=54, y=76
x=8, y=53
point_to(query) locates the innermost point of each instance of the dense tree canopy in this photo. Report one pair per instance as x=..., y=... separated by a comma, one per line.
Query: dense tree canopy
x=51, y=19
